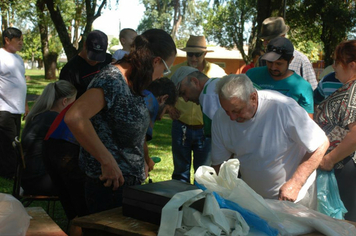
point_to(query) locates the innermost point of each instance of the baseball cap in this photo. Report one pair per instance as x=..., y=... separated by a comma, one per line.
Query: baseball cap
x=96, y=44
x=278, y=47
x=181, y=73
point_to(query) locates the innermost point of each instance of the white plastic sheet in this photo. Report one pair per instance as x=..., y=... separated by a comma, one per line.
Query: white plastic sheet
x=287, y=217
x=14, y=220
x=180, y=219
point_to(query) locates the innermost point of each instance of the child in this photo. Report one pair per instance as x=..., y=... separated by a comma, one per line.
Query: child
x=126, y=38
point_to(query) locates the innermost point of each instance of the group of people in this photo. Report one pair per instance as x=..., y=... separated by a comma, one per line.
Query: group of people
x=86, y=136
x=273, y=134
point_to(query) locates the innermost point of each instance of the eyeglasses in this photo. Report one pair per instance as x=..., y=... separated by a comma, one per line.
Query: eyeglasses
x=196, y=54
x=167, y=71
x=279, y=50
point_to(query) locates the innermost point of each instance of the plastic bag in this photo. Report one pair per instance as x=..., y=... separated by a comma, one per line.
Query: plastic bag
x=178, y=218
x=287, y=217
x=256, y=223
x=294, y=214
x=14, y=220
x=329, y=201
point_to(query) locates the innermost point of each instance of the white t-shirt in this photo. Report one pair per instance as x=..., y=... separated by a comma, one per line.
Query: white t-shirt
x=12, y=83
x=208, y=99
x=271, y=145
x=119, y=54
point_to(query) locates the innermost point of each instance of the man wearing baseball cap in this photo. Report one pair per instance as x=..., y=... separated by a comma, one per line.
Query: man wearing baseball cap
x=187, y=126
x=81, y=69
x=277, y=75
x=273, y=27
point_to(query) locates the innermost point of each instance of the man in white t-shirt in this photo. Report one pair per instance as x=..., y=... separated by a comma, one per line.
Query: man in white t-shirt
x=12, y=98
x=195, y=86
x=278, y=145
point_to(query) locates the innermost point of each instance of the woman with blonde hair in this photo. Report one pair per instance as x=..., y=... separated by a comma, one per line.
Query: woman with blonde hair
x=336, y=115
x=54, y=98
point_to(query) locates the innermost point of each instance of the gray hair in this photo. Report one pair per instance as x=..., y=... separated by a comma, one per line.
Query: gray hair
x=50, y=96
x=239, y=86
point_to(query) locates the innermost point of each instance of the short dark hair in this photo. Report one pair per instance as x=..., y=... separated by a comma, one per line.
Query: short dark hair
x=11, y=33
x=163, y=86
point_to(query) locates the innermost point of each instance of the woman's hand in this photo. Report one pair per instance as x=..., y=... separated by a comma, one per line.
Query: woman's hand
x=111, y=174
x=326, y=163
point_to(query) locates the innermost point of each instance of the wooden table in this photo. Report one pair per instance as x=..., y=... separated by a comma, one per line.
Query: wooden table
x=112, y=222
x=41, y=224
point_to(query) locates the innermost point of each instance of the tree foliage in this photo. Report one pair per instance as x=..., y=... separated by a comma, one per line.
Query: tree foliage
x=174, y=16
x=325, y=21
x=227, y=24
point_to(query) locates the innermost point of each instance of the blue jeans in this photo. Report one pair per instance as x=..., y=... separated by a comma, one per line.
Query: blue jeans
x=195, y=141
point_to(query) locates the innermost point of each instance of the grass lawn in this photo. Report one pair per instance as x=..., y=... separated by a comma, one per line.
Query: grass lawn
x=159, y=146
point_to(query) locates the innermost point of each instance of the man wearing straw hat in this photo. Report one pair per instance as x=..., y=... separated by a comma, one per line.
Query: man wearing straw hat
x=274, y=27
x=187, y=126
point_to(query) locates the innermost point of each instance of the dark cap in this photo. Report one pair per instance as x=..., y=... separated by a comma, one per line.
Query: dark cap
x=96, y=44
x=277, y=48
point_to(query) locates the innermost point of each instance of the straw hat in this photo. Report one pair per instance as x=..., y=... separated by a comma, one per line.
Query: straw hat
x=196, y=44
x=273, y=27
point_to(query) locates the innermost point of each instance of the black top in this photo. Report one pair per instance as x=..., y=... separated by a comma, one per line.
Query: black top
x=32, y=143
x=80, y=73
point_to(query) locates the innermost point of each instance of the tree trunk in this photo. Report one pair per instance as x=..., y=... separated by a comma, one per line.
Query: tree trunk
x=43, y=28
x=61, y=28
x=50, y=63
x=177, y=19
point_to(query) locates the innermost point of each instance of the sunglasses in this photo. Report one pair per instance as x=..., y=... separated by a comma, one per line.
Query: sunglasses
x=196, y=54
x=167, y=71
x=279, y=50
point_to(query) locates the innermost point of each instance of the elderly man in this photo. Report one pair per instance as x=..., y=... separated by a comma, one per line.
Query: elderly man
x=278, y=145
x=194, y=86
x=81, y=69
x=274, y=27
x=187, y=126
x=277, y=75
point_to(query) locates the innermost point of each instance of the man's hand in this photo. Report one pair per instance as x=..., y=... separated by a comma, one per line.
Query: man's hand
x=150, y=164
x=173, y=112
x=112, y=175
x=289, y=191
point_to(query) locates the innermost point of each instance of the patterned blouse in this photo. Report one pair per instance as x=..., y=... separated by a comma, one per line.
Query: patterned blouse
x=121, y=126
x=334, y=115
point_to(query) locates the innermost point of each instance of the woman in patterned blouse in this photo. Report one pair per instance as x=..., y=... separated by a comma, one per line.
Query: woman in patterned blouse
x=337, y=117
x=110, y=119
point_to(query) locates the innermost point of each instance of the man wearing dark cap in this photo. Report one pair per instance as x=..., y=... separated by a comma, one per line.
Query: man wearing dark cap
x=277, y=75
x=274, y=27
x=187, y=127
x=82, y=68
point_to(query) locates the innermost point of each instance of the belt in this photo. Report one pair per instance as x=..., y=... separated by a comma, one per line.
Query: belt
x=192, y=126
